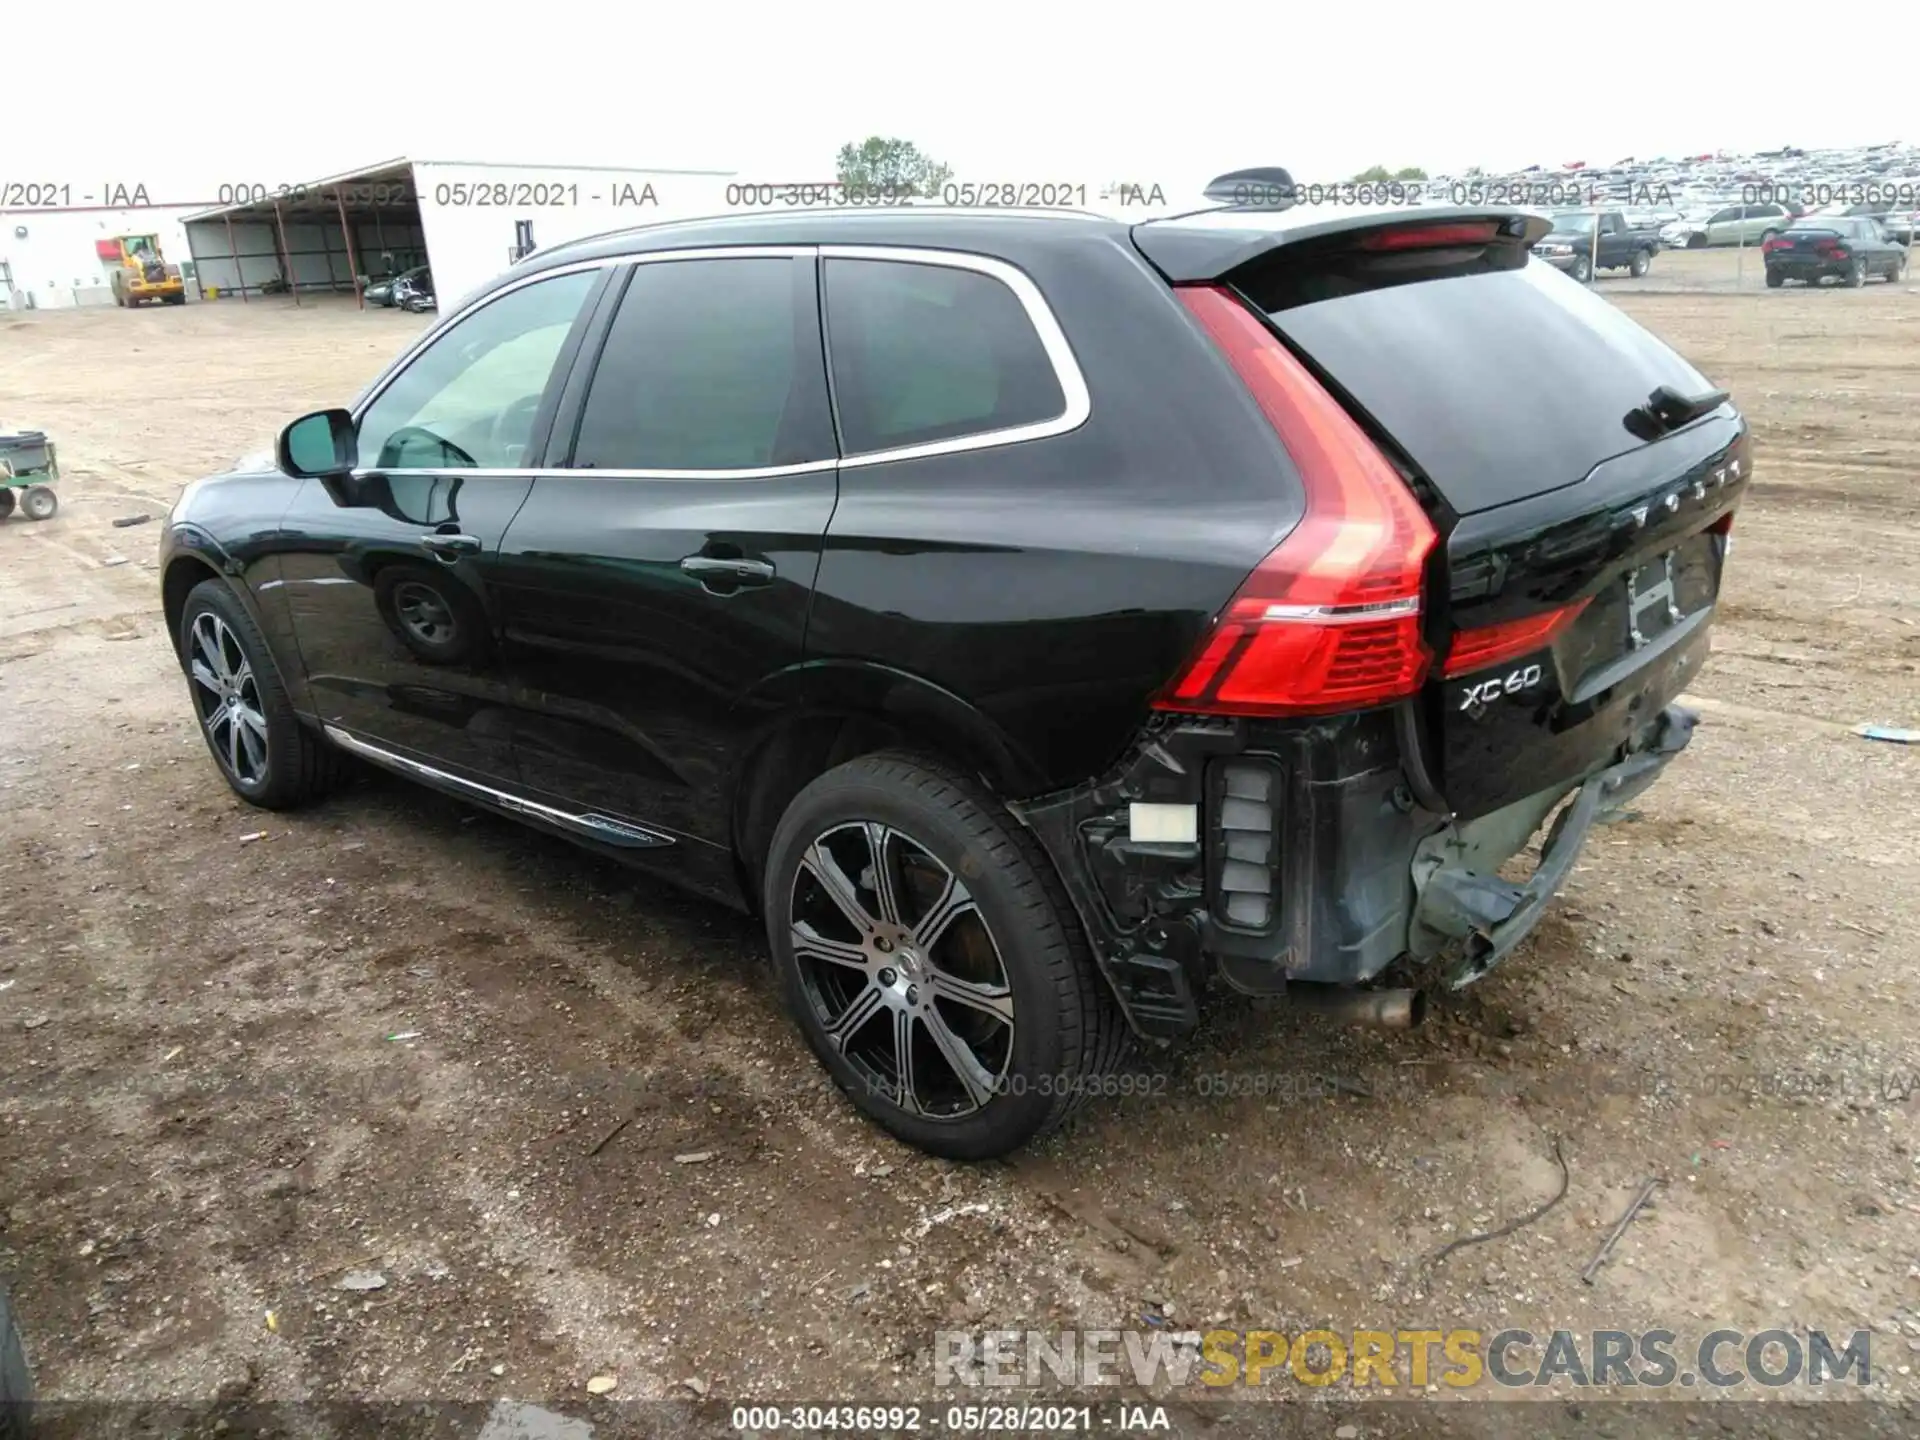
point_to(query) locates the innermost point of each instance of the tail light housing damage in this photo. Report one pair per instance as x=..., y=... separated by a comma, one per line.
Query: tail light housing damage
x=1330, y=620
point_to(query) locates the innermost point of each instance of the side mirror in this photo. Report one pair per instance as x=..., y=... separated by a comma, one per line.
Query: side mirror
x=318, y=446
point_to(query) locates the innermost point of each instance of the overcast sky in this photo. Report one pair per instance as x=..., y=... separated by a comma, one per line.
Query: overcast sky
x=1158, y=93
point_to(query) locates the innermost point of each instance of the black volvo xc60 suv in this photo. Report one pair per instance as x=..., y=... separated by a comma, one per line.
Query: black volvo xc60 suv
x=1038, y=619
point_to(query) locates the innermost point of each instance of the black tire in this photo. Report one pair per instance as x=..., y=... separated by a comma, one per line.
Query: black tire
x=1641, y=263
x=1696, y=241
x=180, y=299
x=37, y=502
x=1582, y=269
x=6, y=501
x=1066, y=1033
x=1856, y=274
x=16, y=1379
x=284, y=764
x=1898, y=272
x=1775, y=279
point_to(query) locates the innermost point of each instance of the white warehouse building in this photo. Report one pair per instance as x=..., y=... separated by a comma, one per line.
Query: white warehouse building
x=466, y=221
x=50, y=257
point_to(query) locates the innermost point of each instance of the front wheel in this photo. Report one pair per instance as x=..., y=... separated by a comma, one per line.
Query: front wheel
x=39, y=503
x=926, y=950
x=246, y=716
x=1582, y=269
x=1857, y=274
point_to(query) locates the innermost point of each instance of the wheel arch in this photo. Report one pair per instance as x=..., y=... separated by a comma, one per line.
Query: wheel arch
x=183, y=573
x=828, y=714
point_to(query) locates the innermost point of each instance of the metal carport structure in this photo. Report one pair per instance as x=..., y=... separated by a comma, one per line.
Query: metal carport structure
x=317, y=236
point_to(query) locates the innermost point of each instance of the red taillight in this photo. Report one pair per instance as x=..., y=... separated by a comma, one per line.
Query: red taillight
x=1490, y=644
x=1767, y=247
x=1427, y=237
x=1330, y=620
x=1832, y=247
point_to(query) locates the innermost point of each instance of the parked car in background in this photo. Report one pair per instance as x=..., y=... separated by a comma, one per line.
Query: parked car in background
x=387, y=292
x=1583, y=240
x=414, y=291
x=735, y=550
x=1898, y=224
x=1737, y=225
x=1853, y=249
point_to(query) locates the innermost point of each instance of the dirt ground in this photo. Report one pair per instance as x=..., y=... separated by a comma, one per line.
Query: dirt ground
x=208, y=1121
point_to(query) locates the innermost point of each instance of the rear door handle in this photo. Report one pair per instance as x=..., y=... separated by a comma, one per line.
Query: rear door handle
x=712, y=569
x=452, y=547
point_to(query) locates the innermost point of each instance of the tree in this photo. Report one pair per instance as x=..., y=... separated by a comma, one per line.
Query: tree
x=1376, y=173
x=891, y=166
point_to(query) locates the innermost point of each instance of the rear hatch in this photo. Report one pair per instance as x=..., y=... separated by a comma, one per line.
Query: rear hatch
x=1569, y=601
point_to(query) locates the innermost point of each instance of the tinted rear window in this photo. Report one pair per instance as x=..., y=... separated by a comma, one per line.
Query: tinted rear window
x=708, y=367
x=1499, y=385
x=922, y=353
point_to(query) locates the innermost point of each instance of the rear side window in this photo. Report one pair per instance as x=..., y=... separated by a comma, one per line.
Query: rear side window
x=923, y=353
x=709, y=365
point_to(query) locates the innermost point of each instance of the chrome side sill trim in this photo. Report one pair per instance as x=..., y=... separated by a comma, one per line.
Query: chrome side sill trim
x=603, y=828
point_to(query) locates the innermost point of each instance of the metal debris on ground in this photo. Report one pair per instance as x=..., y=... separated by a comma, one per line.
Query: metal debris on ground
x=125, y=520
x=1887, y=732
x=693, y=1157
x=1566, y=1179
x=1620, y=1228
x=607, y=1139
x=362, y=1280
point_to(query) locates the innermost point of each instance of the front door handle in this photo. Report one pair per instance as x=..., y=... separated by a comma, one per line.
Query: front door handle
x=713, y=570
x=452, y=547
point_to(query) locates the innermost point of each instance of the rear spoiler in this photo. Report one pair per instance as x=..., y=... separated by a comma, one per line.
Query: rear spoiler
x=1210, y=245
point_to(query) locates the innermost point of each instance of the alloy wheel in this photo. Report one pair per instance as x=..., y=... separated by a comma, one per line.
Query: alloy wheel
x=227, y=697
x=901, y=970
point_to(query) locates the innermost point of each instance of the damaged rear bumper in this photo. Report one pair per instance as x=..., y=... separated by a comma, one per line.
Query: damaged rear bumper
x=1308, y=858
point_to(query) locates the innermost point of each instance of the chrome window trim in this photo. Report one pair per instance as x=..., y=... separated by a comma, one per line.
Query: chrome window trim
x=1053, y=339
x=605, y=262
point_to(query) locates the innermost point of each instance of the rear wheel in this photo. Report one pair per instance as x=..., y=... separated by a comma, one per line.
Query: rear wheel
x=1642, y=261
x=246, y=716
x=1857, y=274
x=6, y=501
x=39, y=503
x=1775, y=279
x=926, y=950
x=1898, y=271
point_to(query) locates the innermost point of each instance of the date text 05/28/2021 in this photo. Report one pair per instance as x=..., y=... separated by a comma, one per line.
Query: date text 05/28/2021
x=987, y=1419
